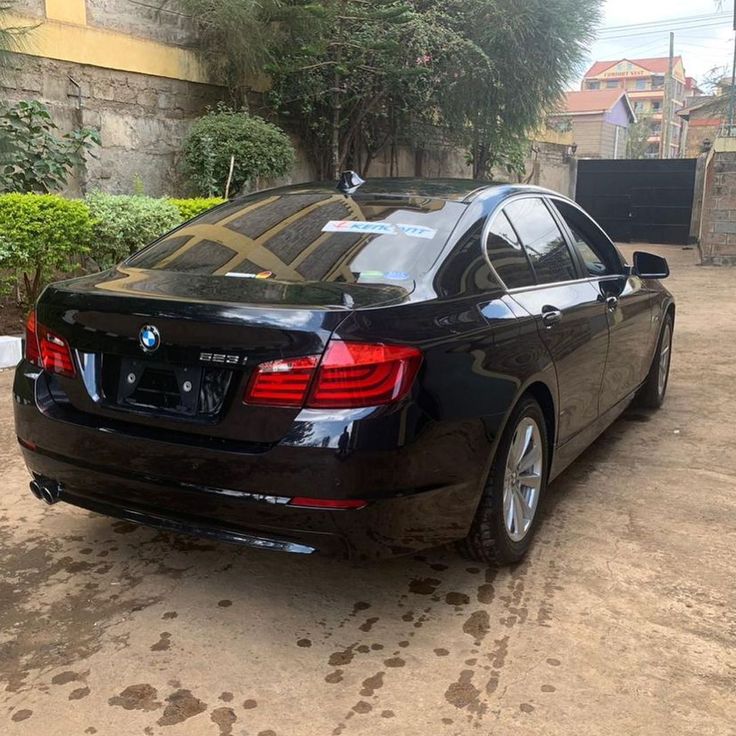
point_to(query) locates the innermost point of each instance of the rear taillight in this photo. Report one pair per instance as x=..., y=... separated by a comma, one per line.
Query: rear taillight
x=48, y=350
x=33, y=354
x=350, y=375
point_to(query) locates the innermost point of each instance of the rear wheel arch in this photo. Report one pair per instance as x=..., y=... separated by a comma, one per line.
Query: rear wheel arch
x=541, y=393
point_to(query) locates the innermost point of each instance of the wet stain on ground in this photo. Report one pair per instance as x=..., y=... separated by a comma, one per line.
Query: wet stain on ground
x=387, y=714
x=424, y=586
x=440, y=652
x=553, y=662
x=224, y=603
x=169, y=614
x=462, y=693
x=477, y=626
x=250, y=704
x=63, y=677
x=367, y=625
x=526, y=708
x=304, y=643
x=362, y=707
x=341, y=658
x=21, y=715
x=394, y=662
x=224, y=718
x=182, y=705
x=371, y=684
x=457, y=599
x=79, y=693
x=334, y=677
x=163, y=643
x=548, y=688
x=226, y=697
x=137, y=697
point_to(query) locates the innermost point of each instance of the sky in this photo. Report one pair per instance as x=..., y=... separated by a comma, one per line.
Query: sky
x=701, y=48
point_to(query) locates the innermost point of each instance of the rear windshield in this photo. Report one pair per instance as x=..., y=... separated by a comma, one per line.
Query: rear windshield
x=297, y=237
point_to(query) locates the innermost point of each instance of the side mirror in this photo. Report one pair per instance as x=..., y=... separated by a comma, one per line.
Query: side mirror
x=649, y=266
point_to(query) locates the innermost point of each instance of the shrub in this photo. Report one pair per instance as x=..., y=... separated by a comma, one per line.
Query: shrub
x=125, y=223
x=40, y=235
x=261, y=149
x=189, y=208
x=33, y=157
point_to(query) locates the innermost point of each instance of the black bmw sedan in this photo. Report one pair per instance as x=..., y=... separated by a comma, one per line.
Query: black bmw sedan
x=367, y=371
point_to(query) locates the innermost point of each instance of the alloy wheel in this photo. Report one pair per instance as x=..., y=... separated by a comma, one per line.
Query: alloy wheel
x=522, y=479
x=665, y=352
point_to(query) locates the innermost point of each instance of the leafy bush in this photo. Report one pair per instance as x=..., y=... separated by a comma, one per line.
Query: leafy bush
x=189, y=208
x=33, y=158
x=125, y=223
x=259, y=148
x=40, y=235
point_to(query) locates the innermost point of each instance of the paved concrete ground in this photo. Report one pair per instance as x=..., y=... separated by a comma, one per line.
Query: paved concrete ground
x=622, y=621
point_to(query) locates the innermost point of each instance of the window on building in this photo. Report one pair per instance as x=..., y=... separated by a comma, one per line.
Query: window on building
x=639, y=106
x=594, y=85
x=612, y=83
x=641, y=84
x=657, y=82
x=545, y=246
x=656, y=106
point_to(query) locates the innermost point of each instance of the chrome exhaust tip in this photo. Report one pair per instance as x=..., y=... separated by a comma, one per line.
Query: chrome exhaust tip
x=46, y=490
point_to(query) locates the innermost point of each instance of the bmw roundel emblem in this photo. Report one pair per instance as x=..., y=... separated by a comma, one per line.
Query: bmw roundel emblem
x=149, y=338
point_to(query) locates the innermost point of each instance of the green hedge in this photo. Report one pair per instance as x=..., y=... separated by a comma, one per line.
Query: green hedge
x=41, y=235
x=190, y=208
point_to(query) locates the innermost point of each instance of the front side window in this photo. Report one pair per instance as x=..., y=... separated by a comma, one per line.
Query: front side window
x=598, y=254
x=506, y=254
x=542, y=239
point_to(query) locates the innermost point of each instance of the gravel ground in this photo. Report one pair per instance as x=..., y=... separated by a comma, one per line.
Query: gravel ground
x=621, y=621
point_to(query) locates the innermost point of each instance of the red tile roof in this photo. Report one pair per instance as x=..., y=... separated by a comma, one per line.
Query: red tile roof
x=592, y=101
x=656, y=65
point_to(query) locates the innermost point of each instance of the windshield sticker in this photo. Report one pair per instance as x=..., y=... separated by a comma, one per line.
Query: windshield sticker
x=378, y=228
x=396, y=276
x=417, y=231
x=357, y=226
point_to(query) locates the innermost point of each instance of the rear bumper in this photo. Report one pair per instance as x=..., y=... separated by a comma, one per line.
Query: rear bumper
x=421, y=495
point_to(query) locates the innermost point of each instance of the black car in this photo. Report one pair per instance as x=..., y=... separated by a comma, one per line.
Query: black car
x=367, y=371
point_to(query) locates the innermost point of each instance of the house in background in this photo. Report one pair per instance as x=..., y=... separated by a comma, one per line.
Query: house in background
x=600, y=121
x=644, y=82
x=704, y=116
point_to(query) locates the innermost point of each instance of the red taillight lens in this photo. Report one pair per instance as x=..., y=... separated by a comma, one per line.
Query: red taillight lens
x=281, y=382
x=354, y=374
x=33, y=354
x=351, y=374
x=47, y=350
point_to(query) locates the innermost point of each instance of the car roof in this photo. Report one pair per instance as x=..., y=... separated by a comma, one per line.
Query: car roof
x=458, y=190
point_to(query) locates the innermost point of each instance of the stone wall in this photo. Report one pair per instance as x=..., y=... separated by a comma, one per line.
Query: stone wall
x=718, y=219
x=142, y=119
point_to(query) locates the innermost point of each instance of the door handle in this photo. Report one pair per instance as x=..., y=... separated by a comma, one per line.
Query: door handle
x=612, y=303
x=551, y=316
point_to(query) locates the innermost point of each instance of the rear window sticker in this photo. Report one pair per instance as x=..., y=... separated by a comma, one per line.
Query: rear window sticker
x=359, y=226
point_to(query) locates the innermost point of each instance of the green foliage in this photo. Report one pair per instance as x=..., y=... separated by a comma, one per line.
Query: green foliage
x=259, y=148
x=125, y=223
x=353, y=76
x=33, y=156
x=41, y=235
x=190, y=208
x=639, y=132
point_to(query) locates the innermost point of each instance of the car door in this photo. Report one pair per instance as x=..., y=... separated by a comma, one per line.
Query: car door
x=570, y=317
x=628, y=302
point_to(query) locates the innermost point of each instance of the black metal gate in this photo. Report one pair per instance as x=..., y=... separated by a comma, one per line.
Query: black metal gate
x=646, y=200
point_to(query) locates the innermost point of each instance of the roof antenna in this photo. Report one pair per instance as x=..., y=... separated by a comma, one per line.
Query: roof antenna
x=349, y=182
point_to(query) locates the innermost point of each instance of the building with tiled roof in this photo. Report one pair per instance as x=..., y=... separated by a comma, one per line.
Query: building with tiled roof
x=599, y=120
x=644, y=82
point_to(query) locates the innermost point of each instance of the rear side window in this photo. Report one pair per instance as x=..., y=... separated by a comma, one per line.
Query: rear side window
x=506, y=254
x=598, y=254
x=544, y=243
x=310, y=236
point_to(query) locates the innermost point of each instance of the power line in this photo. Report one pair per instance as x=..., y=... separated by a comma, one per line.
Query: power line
x=677, y=19
x=720, y=24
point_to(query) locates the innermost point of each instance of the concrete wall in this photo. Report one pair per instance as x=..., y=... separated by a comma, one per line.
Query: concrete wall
x=718, y=219
x=142, y=119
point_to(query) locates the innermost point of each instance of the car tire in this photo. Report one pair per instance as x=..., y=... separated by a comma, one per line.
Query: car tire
x=652, y=393
x=494, y=537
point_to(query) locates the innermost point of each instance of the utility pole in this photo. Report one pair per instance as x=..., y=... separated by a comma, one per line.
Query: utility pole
x=732, y=91
x=669, y=103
